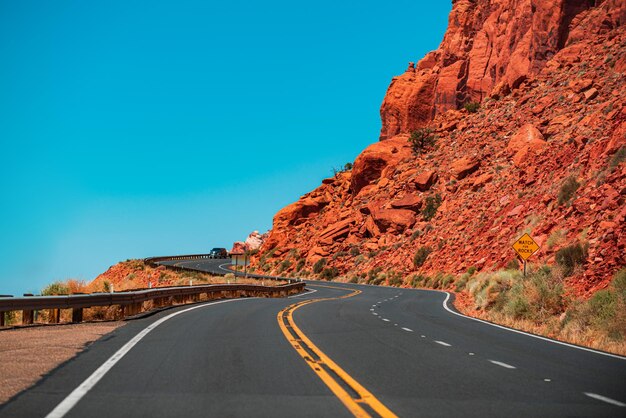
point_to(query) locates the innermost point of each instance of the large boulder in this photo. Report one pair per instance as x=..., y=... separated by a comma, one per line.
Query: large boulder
x=524, y=142
x=369, y=165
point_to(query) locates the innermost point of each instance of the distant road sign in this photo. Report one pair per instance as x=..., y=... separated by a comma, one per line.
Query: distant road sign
x=525, y=246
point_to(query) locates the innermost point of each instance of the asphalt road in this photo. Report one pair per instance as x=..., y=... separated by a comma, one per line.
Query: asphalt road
x=402, y=346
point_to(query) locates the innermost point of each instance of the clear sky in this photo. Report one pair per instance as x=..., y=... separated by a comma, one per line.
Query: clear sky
x=138, y=128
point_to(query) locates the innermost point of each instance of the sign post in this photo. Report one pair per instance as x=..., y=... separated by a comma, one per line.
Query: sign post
x=525, y=246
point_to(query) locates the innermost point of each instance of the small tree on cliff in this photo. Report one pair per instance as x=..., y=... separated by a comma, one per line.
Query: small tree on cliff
x=421, y=139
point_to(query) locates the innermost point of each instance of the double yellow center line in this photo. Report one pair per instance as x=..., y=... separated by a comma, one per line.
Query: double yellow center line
x=359, y=401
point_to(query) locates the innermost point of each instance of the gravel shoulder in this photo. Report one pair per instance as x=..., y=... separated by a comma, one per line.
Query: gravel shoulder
x=28, y=354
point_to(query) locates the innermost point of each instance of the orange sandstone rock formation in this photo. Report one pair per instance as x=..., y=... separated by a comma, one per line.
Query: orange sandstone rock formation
x=550, y=79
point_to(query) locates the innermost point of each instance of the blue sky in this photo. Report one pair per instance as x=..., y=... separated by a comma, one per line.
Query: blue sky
x=131, y=129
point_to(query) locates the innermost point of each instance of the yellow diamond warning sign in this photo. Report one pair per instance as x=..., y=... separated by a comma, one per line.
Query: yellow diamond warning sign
x=525, y=246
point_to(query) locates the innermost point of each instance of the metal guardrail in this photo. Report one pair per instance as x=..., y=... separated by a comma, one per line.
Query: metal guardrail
x=131, y=302
x=155, y=262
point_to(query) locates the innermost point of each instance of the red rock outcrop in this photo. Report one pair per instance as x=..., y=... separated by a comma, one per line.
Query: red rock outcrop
x=550, y=78
x=490, y=44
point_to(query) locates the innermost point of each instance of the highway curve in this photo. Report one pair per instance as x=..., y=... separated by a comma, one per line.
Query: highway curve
x=338, y=350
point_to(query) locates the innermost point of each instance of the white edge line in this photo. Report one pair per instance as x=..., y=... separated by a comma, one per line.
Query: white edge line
x=77, y=394
x=302, y=294
x=445, y=305
x=499, y=363
x=605, y=399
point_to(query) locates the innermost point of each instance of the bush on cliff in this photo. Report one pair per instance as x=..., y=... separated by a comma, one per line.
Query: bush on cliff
x=319, y=265
x=571, y=257
x=568, y=189
x=472, y=107
x=421, y=139
x=431, y=206
x=420, y=256
x=329, y=273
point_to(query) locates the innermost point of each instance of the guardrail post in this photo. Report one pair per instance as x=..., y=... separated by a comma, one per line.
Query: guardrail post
x=27, y=315
x=77, y=315
x=2, y=319
x=55, y=316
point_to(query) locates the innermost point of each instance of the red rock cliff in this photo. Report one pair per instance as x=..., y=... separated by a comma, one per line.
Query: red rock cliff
x=550, y=79
x=490, y=44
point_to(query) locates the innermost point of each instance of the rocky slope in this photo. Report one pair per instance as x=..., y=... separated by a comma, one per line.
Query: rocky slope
x=543, y=153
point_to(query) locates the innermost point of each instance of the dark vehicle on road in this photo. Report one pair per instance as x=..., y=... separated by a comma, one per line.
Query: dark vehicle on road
x=218, y=253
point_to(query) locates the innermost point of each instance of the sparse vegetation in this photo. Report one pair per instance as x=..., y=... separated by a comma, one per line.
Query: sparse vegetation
x=300, y=264
x=538, y=303
x=373, y=276
x=394, y=278
x=319, y=265
x=617, y=158
x=571, y=257
x=329, y=273
x=472, y=107
x=556, y=238
x=354, y=251
x=55, y=288
x=420, y=256
x=568, y=189
x=422, y=139
x=431, y=205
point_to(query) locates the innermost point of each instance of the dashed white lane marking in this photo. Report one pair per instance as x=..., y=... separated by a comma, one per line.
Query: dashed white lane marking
x=605, y=399
x=547, y=380
x=445, y=344
x=470, y=354
x=407, y=329
x=372, y=309
x=385, y=319
x=374, y=313
x=77, y=394
x=423, y=336
x=499, y=363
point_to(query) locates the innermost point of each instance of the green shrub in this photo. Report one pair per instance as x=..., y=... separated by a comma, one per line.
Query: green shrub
x=472, y=107
x=447, y=279
x=329, y=273
x=354, y=279
x=394, y=278
x=300, y=264
x=354, y=251
x=319, y=265
x=513, y=264
x=421, y=139
x=284, y=265
x=555, y=238
x=619, y=283
x=568, y=189
x=372, y=275
x=602, y=306
x=517, y=307
x=418, y=280
x=570, y=257
x=339, y=254
x=55, y=288
x=415, y=234
x=420, y=256
x=471, y=270
x=431, y=205
x=618, y=158
x=460, y=285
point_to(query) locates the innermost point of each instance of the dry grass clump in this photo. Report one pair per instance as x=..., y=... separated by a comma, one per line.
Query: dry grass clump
x=538, y=303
